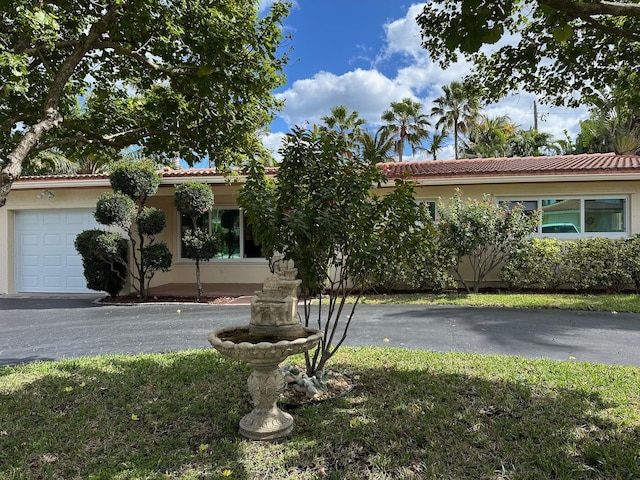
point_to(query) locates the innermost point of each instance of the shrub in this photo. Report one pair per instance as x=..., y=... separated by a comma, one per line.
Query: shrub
x=115, y=208
x=597, y=263
x=483, y=233
x=537, y=263
x=195, y=199
x=631, y=259
x=104, y=257
x=151, y=221
x=137, y=180
x=321, y=214
x=407, y=253
x=133, y=183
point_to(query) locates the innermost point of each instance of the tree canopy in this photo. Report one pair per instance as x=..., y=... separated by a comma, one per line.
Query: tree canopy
x=186, y=77
x=562, y=50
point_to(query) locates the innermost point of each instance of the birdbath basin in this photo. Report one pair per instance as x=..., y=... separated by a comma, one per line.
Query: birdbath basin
x=273, y=334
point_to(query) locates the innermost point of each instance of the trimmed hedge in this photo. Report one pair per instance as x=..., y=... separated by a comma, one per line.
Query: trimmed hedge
x=587, y=264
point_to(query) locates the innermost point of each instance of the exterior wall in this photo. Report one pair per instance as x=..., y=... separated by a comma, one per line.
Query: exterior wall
x=499, y=191
x=250, y=270
x=254, y=270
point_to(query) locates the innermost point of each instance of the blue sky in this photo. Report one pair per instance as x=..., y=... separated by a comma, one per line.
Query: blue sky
x=365, y=54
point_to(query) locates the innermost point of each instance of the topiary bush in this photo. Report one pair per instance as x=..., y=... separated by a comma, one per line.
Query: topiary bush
x=133, y=183
x=194, y=200
x=104, y=260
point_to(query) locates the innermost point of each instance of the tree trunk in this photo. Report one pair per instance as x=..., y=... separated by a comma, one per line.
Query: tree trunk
x=51, y=116
x=13, y=166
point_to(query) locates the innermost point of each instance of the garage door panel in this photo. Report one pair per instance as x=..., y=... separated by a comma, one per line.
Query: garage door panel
x=45, y=256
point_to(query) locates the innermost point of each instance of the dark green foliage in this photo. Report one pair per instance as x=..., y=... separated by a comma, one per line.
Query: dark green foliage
x=133, y=182
x=151, y=221
x=193, y=198
x=115, y=208
x=199, y=245
x=481, y=233
x=321, y=213
x=631, y=258
x=137, y=180
x=587, y=264
x=157, y=257
x=407, y=254
x=104, y=260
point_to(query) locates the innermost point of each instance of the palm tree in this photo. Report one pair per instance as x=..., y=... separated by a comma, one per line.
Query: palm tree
x=346, y=124
x=489, y=137
x=456, y=110
x=437, y=143
x=532, y=143
x=405, y=123
x=377, y=147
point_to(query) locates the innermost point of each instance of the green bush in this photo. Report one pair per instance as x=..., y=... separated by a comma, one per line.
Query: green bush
x=151, y=221
x=115, y=208
x=598, y=263
x=104, y=261
x=537, y=263
x=631, y=259
x=137, y=180
x=482, y=233
x=193, y=199
x=157, y=259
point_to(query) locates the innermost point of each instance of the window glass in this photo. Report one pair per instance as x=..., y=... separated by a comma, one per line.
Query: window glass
x=227, y=224
x=561, y=216
x=604, y=215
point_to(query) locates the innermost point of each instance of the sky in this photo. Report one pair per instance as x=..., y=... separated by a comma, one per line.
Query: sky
x=365, y=54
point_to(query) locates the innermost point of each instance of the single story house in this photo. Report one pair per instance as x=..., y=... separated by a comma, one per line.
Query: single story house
x=580, y=196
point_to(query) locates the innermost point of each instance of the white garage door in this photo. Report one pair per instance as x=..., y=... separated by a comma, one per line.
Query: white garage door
x=45, y=259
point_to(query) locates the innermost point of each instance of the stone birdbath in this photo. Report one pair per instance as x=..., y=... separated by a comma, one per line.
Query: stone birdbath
x=273, y=334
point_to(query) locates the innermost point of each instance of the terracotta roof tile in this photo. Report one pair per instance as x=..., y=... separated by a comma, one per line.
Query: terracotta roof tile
x=517, y=166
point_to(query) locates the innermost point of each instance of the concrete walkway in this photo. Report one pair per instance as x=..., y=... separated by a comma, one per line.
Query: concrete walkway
x=52, y=328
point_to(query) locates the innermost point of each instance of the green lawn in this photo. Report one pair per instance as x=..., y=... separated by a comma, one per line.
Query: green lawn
x=621, y=302
x=412, y=415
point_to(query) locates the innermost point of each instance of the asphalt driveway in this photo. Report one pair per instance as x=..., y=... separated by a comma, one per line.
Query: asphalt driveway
x=54, y=328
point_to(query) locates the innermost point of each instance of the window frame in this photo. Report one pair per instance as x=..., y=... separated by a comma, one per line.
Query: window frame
x=583, y=220
x=242, y=240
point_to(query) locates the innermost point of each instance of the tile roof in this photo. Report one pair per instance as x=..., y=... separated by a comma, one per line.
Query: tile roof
x=583, y=164
x=594, y=163
x=165, y=173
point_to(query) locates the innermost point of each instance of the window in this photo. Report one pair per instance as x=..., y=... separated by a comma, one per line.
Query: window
x=573, y=216
x=431, y=206
x=235, y=235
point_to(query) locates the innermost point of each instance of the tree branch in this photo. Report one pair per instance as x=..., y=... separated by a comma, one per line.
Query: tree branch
x=580, y=9
x=116, y=47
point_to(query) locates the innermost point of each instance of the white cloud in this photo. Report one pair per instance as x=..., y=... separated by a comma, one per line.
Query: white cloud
x=273, y=142
x=409, y=73
x=366, y=91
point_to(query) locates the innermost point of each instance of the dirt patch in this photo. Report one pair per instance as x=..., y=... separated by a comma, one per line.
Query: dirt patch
x=338, y=385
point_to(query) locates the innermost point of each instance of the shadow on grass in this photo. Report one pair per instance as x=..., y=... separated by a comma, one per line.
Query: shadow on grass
x=412, y=415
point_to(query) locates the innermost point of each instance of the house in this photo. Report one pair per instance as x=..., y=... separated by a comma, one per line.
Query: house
x=580, y=196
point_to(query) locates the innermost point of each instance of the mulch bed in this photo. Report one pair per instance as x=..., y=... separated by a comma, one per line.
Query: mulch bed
x=128, y=300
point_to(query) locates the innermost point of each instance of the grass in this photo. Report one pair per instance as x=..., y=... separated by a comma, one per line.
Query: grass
x=598, y=302
x=412, y=415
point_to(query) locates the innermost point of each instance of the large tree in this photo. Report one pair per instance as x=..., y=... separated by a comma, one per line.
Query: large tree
x=564, y=50
x=187, y=77
x=405, y=122
x=456, y=110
